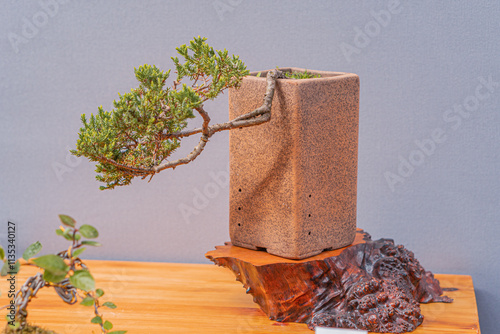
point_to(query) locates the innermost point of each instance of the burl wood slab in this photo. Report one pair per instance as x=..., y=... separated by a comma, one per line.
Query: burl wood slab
x=371, y=285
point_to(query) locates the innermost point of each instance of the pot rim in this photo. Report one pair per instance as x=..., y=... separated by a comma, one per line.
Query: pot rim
x=325, y=75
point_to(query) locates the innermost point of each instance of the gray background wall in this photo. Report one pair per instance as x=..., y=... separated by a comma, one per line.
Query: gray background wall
x=429, y=126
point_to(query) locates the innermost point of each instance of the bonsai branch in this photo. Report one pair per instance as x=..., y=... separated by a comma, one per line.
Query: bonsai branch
x=255, y=117
x=250, y=118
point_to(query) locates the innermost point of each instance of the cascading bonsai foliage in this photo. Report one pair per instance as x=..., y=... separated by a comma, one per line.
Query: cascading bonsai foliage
x=138, y=137
x=64, y=271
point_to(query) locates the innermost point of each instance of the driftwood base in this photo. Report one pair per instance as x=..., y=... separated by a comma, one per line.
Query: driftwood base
x=370, y=285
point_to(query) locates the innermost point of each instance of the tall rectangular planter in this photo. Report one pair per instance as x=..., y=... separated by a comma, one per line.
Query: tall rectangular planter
x=293, y=179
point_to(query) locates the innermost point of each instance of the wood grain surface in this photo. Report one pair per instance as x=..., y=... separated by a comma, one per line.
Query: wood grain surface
x=203, y=298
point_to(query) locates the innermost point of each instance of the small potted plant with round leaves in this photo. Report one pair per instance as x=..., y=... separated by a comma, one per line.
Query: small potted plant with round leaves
x=65, y=272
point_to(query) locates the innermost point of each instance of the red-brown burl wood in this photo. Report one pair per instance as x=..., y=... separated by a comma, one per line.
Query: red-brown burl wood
x=371, y=285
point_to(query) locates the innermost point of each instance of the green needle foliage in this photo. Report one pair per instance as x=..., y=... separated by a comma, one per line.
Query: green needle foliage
x=296, y=75
x=143, y=129
x=64, y=271
x=301, y=75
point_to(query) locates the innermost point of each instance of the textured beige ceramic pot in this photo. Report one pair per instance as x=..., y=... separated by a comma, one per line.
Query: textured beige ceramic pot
x=293, y=179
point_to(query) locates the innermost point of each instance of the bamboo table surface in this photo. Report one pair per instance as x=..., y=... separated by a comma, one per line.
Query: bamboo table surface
x=204, y=298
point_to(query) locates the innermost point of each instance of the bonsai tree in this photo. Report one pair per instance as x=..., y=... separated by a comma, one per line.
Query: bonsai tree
x=64, y=271
x=137, y=138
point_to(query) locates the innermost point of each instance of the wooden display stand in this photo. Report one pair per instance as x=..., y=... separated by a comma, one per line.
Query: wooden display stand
x=160, y=298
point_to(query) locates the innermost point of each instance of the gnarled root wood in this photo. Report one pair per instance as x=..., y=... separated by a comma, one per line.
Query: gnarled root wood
x=370, y=285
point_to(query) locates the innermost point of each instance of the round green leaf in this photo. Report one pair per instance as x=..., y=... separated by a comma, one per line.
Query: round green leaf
x=51, y=277
x=32, y=250
x=5, y=269
x=52, y=263
x=78, y=251
x=17, y=267
x=68, y=234
x=96, y=320
x=91, y=243
x=107, y=325
x=82, y=280
x=99, y=292
x=89, y=231
x=87, y=301
x=10, y=269
x=2, y=253
x=67, y=220
x=109, y=304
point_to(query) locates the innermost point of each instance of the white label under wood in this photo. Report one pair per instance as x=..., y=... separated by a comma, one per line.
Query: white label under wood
x=323, y=330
